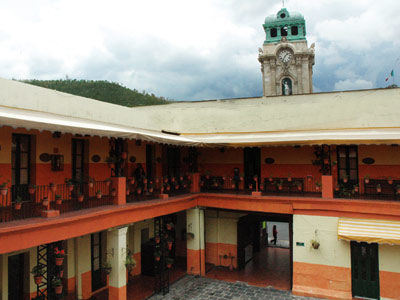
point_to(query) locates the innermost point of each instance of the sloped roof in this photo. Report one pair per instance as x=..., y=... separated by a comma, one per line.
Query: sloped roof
x=365, y=116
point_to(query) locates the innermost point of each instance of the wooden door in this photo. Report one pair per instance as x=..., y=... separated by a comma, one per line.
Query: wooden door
x=365, y=270
x=15, y=277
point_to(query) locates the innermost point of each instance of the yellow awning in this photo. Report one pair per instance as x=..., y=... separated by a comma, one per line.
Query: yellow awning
x=370, y=231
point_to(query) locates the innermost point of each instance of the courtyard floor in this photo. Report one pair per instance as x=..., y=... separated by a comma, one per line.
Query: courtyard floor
x=200, y=288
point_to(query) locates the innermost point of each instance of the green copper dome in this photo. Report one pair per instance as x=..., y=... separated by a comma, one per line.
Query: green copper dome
x=284, y=24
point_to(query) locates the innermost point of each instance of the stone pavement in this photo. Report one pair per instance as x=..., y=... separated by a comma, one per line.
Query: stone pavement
x=201, y=288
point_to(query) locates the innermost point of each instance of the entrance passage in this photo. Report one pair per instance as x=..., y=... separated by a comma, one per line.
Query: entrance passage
x=259, y=262
x=364, y=270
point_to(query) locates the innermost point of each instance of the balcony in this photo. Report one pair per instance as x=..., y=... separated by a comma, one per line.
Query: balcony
x=374, y=189
x=272, y=186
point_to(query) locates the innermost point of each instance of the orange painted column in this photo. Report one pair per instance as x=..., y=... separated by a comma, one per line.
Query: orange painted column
x=327, y=186
x=196, y=260
x=116, y=246
x=119, y=184
x=195, y=187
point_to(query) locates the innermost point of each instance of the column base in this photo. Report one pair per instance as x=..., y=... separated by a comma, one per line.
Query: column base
x=115, y=293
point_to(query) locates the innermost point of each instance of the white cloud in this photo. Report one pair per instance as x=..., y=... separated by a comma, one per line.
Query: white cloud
x=349, y=84
x=190, y=49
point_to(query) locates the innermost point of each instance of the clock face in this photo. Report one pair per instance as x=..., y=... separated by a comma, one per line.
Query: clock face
x=285, y=56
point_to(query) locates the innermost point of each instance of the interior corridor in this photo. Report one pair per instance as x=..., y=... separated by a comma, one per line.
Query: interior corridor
x=269, y=267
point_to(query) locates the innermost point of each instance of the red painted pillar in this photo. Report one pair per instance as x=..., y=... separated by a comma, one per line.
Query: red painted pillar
x=119, y=184
x=195, y=187
x=327, y=186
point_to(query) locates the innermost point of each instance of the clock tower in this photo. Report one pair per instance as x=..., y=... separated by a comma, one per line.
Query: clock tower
x=286, y=61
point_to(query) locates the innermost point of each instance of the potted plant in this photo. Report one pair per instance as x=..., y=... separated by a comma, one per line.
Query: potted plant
x=130, y=262
x=132, y=180
x=57, y=284
x=99, y=194
x=390, y=180
x=157, y=239
x=169, y=261
x=58, y=199
x=70, y=184
x=124, y=155
x=366, y=179
x=280, y=185
x=398, y=189
x=345, y=178
x=52, y=187
x=289, y=179
x=108, y=181
x=315, y=244
x=170, y=225
x=45, y=201
x=317, y=186
x=157, y=255
x=337, y=188
x=106, y=268
x=18, y=202
x=111, y=160
x=271, y=178
x=113, y=192
x=80, y=197
x=37, y=272
x=3, y=188
x=127, y=192
x=356, y=188
x=59, y=256
x=169, y=244
x=139, y=190
x=298, y=184
x=91, y=182
x=378, y=188
x=31, y=189
x=190, y=236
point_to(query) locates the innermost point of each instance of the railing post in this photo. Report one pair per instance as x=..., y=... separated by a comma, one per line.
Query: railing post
x=119, y=184
x=195, y=187
x=327, y=186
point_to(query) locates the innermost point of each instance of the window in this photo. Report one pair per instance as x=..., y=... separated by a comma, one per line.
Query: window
x=347, y=163
x=294, y=30
x=274, y=32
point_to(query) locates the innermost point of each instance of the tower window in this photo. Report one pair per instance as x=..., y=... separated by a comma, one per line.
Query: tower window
x=283, y=15
x=284, y=31
x=274, y=32
x=294, y=30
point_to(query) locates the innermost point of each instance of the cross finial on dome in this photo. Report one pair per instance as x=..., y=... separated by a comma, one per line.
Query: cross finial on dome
x=283, y=3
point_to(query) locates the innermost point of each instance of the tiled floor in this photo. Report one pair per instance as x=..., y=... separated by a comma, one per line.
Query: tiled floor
x=141, y=287
x=270, y=267
x=192, y=288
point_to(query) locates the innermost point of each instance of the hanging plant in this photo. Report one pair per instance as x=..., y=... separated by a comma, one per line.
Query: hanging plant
x=58, y=199
x=106, y=268
x=31, y=189
x=18, y=203
x=130, y=262
x=37, y=272
x=366, y=179
x=315, y=244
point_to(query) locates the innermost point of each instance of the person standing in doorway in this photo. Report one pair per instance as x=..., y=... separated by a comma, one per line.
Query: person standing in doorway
x=275, y=234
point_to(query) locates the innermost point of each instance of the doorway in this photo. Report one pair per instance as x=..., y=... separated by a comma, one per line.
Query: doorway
x=365, y=270
x=150, y=162
x=16, y=277
x=252, y=165
x=79, y=169
x=96, y=261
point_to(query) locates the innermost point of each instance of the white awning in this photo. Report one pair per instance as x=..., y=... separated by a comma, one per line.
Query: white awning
x=370, y=231
x=16, y=117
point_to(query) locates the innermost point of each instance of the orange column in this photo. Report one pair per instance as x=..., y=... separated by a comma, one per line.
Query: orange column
x=119, y=184
x=327, y=186
x=195, y=187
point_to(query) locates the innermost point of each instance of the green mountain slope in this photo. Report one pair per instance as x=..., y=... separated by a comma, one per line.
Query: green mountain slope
x=101, y=90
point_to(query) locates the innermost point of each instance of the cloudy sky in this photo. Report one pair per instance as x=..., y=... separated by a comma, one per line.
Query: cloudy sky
x=193, y=50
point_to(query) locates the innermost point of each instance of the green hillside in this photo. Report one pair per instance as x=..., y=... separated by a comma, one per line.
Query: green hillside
x=101, y=90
